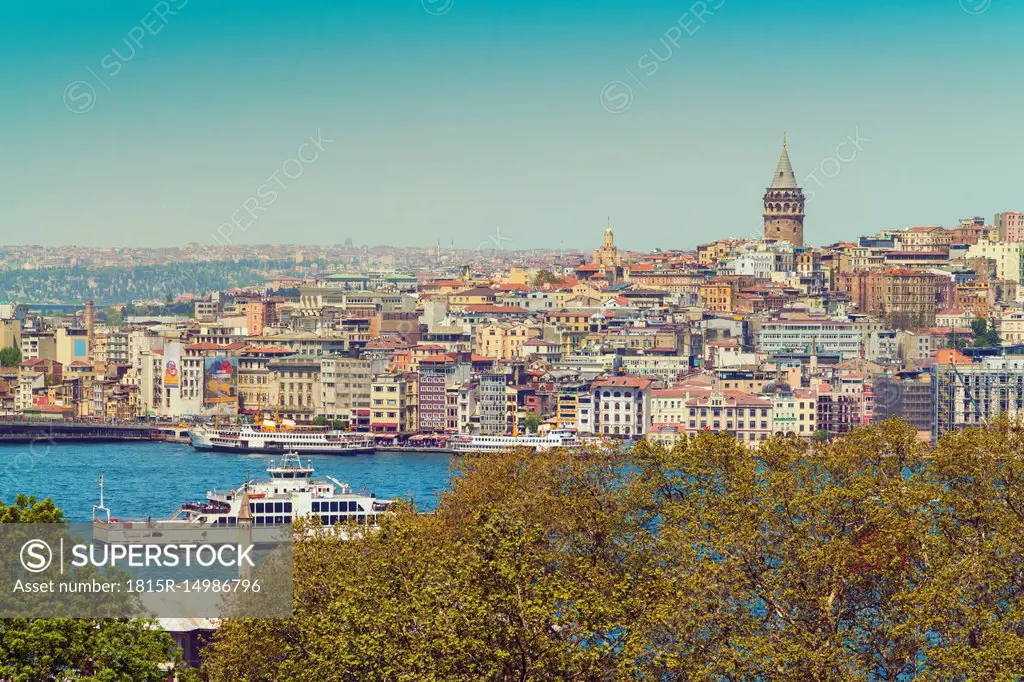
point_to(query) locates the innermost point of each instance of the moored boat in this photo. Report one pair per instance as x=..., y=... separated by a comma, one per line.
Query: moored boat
x=555, y=438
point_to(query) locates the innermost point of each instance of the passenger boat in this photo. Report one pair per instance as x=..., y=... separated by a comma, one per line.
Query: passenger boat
x=555, y=438
x=291, y=492
x=263, y=438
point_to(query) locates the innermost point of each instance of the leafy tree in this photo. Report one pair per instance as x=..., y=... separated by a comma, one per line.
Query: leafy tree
x=864, y=557
x=114, y=316
x=821, y=435
x=544, y=277
x=531, y=422
x=320, y=420
x=985, y=335
x=954, y=340
x=10, y=357
x=100, y=649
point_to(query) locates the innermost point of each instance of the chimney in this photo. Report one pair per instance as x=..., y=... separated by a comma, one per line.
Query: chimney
x=90, y=328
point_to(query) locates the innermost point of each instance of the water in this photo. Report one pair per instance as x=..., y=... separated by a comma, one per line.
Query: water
x=153, y=479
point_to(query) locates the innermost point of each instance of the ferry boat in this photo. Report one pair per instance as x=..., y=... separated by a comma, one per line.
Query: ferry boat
x=555, y=438
x=290, y=493
x=273, y=441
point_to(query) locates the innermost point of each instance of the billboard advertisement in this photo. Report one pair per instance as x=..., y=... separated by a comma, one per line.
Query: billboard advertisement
x=220, y=380
x=172, y=364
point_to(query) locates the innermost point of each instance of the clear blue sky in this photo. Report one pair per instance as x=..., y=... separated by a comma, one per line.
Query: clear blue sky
x=452, y=117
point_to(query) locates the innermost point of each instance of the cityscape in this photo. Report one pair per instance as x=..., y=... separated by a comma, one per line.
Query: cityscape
x=439, y=341
x=755, y=336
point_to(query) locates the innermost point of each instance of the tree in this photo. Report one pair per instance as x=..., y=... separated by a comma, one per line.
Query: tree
x=10, y=357
x=863, y=557
x=320, y=420
x=107, y=649
x=531, y=422
x=985, y=335
x=544, y=277
x=954, y=340
x=115, y=316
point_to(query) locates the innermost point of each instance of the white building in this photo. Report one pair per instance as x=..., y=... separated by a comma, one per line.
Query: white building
x=621, y=407
x=828, y=336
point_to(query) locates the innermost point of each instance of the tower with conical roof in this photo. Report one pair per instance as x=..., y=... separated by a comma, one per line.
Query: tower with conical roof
x=784, y=204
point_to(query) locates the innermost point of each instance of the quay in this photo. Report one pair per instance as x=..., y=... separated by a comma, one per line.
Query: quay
x=39, y=431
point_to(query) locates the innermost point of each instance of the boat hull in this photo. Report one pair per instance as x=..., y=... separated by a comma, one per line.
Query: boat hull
x=268, y=444
x=275, y=450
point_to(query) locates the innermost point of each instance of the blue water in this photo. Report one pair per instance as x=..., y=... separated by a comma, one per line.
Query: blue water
x=153, y=479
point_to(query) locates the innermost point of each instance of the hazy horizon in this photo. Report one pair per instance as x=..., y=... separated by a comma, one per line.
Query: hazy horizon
x=157, y=124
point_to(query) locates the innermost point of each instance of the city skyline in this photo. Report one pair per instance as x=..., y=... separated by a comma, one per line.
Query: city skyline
x=428, y=123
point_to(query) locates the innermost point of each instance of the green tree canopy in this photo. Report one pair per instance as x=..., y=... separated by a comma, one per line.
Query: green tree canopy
x=865, y=557
x=544, y=277
x=10, y=357
x=531, y=422
x=99, y=649
x=985, y=334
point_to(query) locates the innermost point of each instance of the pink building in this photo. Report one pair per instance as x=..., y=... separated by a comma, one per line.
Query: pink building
x=1011, y=226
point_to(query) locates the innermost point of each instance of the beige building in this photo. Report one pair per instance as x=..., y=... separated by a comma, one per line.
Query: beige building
x=794, y=413
x=346, y=385
x=295, y=380
x=504, y=340
x=1011, y=327
x=392, y=403
x=1008, y=257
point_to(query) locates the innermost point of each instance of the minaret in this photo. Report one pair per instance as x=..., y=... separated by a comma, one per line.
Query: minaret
x=784, y=204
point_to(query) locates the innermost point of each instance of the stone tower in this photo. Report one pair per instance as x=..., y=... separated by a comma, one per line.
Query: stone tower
x=784, y=204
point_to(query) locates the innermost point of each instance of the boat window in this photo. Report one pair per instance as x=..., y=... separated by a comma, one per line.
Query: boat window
x=278, y=507
x=278, y=519
x=352, y=506
x=316, y=506
x=287, y=519
x=259, y=520
x=287, y=506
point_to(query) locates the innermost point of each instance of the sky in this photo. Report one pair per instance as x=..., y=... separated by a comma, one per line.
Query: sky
x=523, y=124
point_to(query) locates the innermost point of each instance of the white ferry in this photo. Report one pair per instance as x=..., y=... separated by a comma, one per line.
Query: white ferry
x=555, y=438
x=269, y=439
x=291, y=492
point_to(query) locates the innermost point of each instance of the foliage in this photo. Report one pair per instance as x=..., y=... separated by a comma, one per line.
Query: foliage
x=864, y=557
x=10, y=357
x=531, y=422
x=97, y=649
x=954, y=340
x=320, y=420
x=29, y=510
x=985, y=335
x=544, y=277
